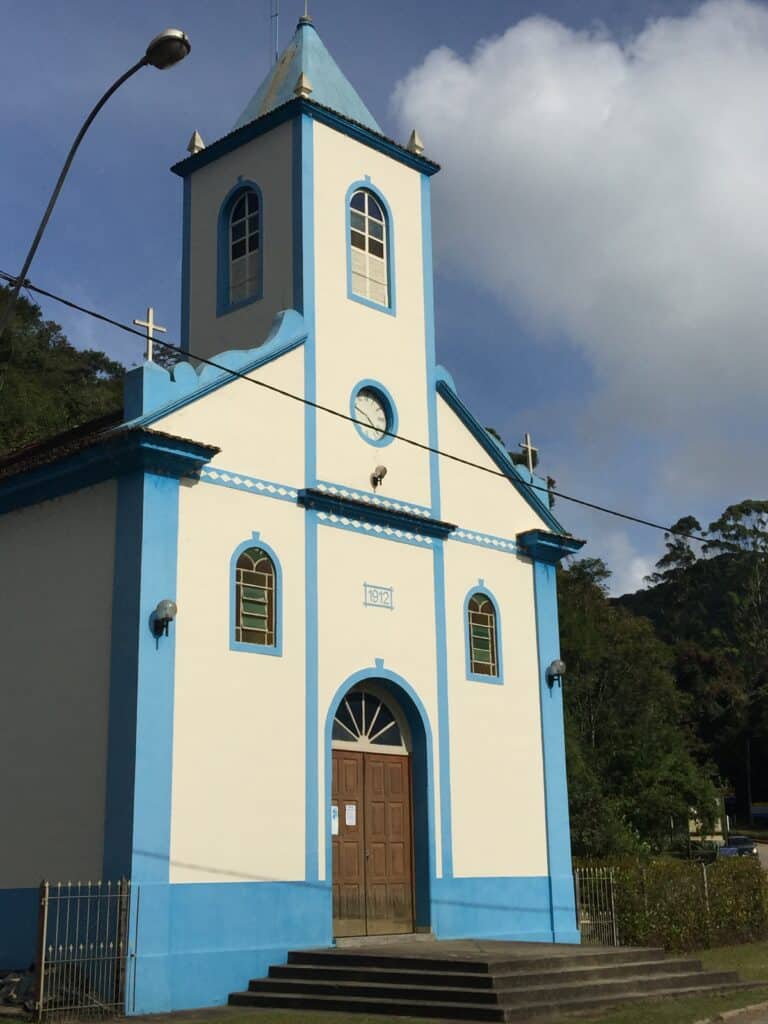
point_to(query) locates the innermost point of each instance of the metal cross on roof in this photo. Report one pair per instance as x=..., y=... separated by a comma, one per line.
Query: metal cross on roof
x=527, y=446
x=151, y=327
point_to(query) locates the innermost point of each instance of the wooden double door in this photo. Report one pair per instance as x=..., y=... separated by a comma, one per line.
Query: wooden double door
x=372, y=843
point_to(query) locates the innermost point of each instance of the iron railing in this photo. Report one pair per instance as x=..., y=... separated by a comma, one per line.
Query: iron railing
x=596, y=907
x=83, y=944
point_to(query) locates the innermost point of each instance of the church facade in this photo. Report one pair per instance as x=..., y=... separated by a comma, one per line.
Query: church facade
x=299, y=682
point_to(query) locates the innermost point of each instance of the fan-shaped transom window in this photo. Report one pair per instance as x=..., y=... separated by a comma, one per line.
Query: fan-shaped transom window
x=255, y=599
x=365, y=721
x=368, y=240
x=483, y=644
x=244, y=247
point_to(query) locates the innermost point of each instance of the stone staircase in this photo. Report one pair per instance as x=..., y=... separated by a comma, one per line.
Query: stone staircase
x=477, y=981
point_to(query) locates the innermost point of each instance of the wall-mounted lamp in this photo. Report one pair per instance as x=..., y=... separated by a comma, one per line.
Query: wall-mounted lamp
x=163, y=616
x=555, y=673
x=377, y=476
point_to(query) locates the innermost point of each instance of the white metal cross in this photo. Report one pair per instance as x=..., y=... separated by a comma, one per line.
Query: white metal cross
x=527, y=446
x=151, y=327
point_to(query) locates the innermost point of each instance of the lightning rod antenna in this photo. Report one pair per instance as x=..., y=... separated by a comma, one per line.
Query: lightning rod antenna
x=274, y=18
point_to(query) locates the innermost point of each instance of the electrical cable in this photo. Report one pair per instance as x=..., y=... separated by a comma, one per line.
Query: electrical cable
x=639, y=520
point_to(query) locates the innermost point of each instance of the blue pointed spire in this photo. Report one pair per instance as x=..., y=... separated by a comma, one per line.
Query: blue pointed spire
x=307, y=54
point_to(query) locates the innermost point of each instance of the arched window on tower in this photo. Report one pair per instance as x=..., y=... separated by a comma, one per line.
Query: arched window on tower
x=369, y=248
x=482, y=636
x=244, y=247
x=255, y=598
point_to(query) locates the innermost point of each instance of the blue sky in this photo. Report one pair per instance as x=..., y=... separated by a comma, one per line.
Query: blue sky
x=607, y=164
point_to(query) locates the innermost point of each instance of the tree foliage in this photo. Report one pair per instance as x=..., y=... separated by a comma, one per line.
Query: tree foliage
x=48, y=385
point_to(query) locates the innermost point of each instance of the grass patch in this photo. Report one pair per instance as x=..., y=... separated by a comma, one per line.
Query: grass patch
x=672, y=1011
x=750, y=960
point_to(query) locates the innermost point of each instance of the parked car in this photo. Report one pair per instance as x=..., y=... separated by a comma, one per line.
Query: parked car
x=739, y=846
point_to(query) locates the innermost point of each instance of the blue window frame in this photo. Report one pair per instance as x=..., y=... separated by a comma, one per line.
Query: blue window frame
x=370, y=247
x=256, y=599
x=241, y=248
x=482, y=631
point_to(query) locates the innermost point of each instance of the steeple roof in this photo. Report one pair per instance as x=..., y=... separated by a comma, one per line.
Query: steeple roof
x=307, y=54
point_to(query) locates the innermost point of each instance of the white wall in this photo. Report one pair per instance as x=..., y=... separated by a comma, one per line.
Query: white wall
x=266, y=160
x=56, y=565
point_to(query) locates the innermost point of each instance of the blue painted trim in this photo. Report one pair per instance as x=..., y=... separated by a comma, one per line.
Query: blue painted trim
x=223, y=305
x=422, y=762
x=372, y=498
x=548, y=547
x=390, y=307
x=312, y=866
x=276, y=649
x=513, y=908
x=186, y=258
x=212, y=474
x=152, y=393
x=389, y=407
x=486, y=540
x=498, y=456
x=119, y=452
x=562, y=897
x=297, y=178
x=443, y=713
x=351, y=508
x=137, y=831
x=372, y=530
x=476, y=677
x=315, y=112
x=429, y=336
x=19, y=909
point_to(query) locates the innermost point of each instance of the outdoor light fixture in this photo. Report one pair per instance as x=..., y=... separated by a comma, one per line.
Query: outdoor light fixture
x=163, y=616
x=168, y=48
x=377, y=476
x=555, y=673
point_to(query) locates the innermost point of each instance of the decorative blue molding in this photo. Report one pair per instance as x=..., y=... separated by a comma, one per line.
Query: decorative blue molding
x=477, y=677
x=121, y=451
x=389, y=406
x=562, y=899
x=150, y=392
x=312, y=111
x=445, y=377
x=428, y=285
x=376, y=518
x=443, y=712
x=223, y=305
x=372, y=498
x=486, y=540
x=341, y=522
x=422, y=761
x=251, y=484
x=390, y=307
x=276, y=649
x=499, y=456
x=548, y=547
x=378, y=597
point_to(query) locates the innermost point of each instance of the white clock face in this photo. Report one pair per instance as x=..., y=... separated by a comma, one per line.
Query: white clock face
x=371, y=414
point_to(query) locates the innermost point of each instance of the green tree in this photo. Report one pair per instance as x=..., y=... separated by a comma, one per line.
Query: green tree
x=48, y=385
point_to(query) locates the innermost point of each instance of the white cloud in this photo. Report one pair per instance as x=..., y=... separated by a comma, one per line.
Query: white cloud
x=617, y=193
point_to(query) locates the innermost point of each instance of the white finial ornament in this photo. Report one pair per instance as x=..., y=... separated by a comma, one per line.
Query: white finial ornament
x=151, y=327
x=415, y=145
x=195, y=143
x=303, y=86
x=527, y=446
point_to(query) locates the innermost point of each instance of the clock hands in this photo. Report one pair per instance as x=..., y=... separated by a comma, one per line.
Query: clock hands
x=364, y=413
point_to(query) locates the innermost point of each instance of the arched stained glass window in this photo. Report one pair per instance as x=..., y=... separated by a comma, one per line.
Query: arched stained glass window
x=364, y=720
x=483, y=643
x=244, y=247
x=369, y=241
x=255, y=598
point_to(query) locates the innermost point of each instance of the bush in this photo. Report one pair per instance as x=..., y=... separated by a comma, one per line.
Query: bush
x=683, y=906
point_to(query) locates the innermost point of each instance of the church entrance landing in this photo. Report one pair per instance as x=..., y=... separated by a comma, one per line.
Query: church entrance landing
x=371, y=823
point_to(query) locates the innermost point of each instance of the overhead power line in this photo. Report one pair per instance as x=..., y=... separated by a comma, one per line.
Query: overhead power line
x=628, y=517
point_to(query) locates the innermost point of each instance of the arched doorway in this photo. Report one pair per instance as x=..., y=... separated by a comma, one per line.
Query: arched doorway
x=372, y=814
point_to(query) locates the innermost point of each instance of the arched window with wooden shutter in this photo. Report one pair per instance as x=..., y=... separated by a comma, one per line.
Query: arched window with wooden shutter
x=482, y=628
x=256, y=600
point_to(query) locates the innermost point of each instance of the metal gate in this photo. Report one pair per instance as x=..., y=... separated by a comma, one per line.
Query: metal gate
x=595, y=906
x=83, y=944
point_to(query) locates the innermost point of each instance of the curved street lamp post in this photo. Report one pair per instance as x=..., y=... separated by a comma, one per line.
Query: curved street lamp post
x=165, y=50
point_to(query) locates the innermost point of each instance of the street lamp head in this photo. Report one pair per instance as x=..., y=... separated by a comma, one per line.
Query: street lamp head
x=168, y=48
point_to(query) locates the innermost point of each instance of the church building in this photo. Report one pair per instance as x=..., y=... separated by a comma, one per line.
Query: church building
x=280, y=642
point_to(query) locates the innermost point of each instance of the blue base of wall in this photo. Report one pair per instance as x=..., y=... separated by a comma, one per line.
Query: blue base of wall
x=19, y=910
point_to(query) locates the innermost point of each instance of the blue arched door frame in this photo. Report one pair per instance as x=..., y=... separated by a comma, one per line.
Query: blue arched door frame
x=422, y=790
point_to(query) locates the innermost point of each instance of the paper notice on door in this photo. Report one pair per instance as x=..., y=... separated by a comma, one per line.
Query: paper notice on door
x=350, y=814
x=334, y=820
